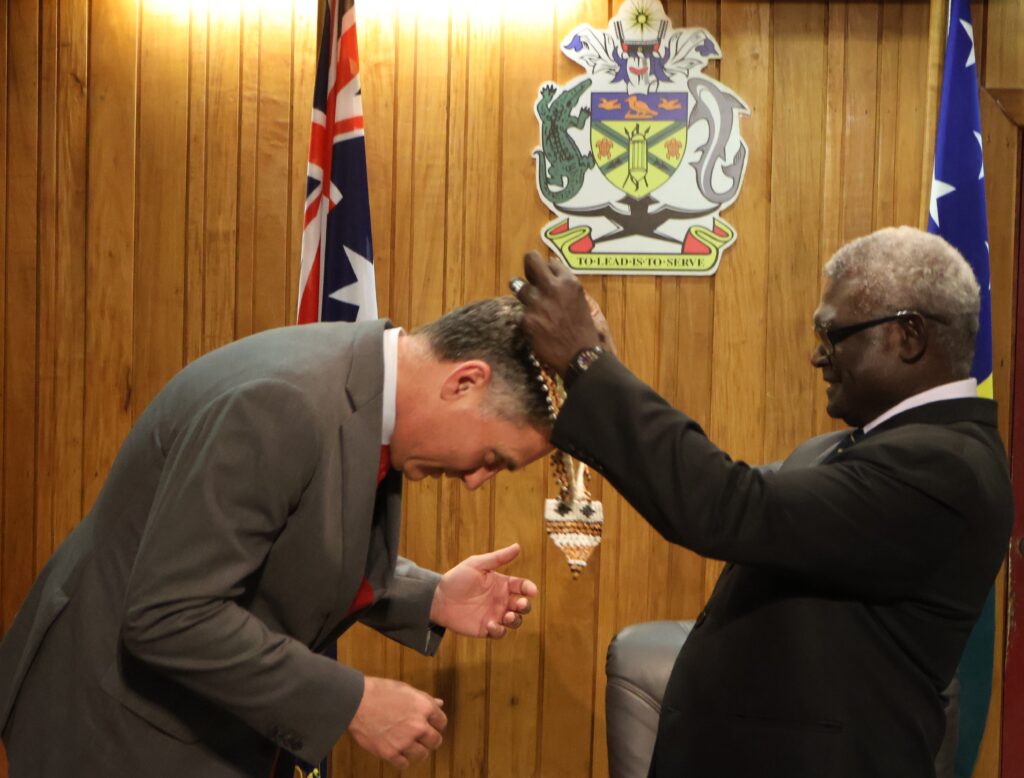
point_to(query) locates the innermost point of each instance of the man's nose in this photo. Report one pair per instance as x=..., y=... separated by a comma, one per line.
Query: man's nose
x=478, y=477
x=818, y=356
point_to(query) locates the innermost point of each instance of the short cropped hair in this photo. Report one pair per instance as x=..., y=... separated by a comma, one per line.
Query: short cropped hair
x=905, y=268
x=490, y=330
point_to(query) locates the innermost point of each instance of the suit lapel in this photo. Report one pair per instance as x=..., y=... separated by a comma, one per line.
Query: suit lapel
x=814, y=451
x=359, y=438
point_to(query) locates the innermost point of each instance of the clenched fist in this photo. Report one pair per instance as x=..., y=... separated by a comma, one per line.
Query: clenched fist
x=396, y=722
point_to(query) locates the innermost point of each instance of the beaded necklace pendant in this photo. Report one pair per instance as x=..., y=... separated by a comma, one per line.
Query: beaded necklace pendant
x=573, y=520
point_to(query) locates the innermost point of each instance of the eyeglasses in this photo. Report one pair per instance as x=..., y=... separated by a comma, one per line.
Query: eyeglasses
x=830, y=336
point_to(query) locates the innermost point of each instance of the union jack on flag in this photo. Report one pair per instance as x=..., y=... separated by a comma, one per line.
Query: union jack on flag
x=336, y=281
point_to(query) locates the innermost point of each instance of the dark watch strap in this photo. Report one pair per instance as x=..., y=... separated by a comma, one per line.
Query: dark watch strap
x=584, y=358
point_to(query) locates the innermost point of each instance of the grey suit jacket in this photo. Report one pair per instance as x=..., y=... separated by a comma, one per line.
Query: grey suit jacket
x=178, y=625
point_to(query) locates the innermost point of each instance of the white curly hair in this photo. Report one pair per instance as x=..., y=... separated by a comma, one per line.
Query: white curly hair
x=905, y=268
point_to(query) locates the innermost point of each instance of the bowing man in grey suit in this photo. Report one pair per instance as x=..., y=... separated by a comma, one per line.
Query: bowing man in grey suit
x=858, y=568
x=251, y=516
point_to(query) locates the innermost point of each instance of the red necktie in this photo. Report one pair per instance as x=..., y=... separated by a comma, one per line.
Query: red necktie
x=364, y=597
x=385, y=463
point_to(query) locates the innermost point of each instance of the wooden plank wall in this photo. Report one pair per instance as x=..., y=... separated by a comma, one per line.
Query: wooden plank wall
x=153, y=178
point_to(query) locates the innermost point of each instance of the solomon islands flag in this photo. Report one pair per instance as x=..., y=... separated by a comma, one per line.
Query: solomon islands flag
x=957, y=213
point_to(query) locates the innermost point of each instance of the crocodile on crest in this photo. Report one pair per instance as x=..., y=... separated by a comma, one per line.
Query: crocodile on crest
x=560, y=163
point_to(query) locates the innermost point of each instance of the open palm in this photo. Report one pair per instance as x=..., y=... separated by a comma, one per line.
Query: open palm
x=474, y=599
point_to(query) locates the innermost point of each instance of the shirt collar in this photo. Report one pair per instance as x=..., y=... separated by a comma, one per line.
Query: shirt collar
x=387, y=426
x=954, y=390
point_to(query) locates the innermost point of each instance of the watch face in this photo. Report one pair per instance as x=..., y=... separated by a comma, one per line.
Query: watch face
x=584, y=358
x=587, y=357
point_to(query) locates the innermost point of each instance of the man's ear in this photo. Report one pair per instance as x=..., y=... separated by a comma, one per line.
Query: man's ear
x=913, y=338
x=465, y=378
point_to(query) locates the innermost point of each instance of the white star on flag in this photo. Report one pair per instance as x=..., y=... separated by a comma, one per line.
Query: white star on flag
x=981, y=173
x=970, y=34
x=939, y=189
x=361, y=293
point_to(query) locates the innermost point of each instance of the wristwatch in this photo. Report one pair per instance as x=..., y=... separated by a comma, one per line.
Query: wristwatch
x=584, y=358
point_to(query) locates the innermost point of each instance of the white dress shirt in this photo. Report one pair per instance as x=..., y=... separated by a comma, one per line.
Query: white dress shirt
x=387, y=426
x=954, y=390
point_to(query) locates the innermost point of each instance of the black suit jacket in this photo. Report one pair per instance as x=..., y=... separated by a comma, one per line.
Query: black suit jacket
x=854, y=582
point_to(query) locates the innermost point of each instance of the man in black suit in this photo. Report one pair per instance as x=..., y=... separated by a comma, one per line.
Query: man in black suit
x=857, y=568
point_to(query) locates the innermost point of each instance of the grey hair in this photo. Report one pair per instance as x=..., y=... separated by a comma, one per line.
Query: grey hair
x=902, y=267
x=491, y=330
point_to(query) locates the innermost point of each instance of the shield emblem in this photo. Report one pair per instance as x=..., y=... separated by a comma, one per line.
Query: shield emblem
x=638, y=140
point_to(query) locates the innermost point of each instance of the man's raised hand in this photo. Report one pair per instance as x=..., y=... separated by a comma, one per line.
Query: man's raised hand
x=474, y=599
x=559, y=317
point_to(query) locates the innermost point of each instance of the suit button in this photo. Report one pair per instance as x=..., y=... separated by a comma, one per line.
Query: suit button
x=700, y=618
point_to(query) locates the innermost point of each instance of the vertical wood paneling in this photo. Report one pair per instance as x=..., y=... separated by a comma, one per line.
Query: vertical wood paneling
x=377, y=76
x=912, y=114
x=221, y=178
x=799, y=89
x=934, y=56
x=1001, y=142
x=738, y=405
x=66, y=425
x=153, y=180
x=1004, y=60
x=20, y=271
x=248, y=112
x=4, y=135
x=833, y=170
x=887, y=111
x=200, y=42
x=639, y=309
x=159, y=292
x=860, y=125
x=110, y=227
x=514, y=714
x=303, y=74
x=46, y=270
x=270, y=261
x=4, y=530
x=979, y=35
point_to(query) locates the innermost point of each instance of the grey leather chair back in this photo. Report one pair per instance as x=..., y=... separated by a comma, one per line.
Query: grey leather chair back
x=640, y=659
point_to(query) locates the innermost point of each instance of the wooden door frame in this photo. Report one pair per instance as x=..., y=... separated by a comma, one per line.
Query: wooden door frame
x=1012, y=745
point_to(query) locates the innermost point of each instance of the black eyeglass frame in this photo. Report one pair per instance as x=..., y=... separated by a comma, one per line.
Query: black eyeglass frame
x=830, y=336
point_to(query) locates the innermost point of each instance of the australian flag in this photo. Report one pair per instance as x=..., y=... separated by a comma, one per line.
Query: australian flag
x=957, y=213
x=336, y=281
